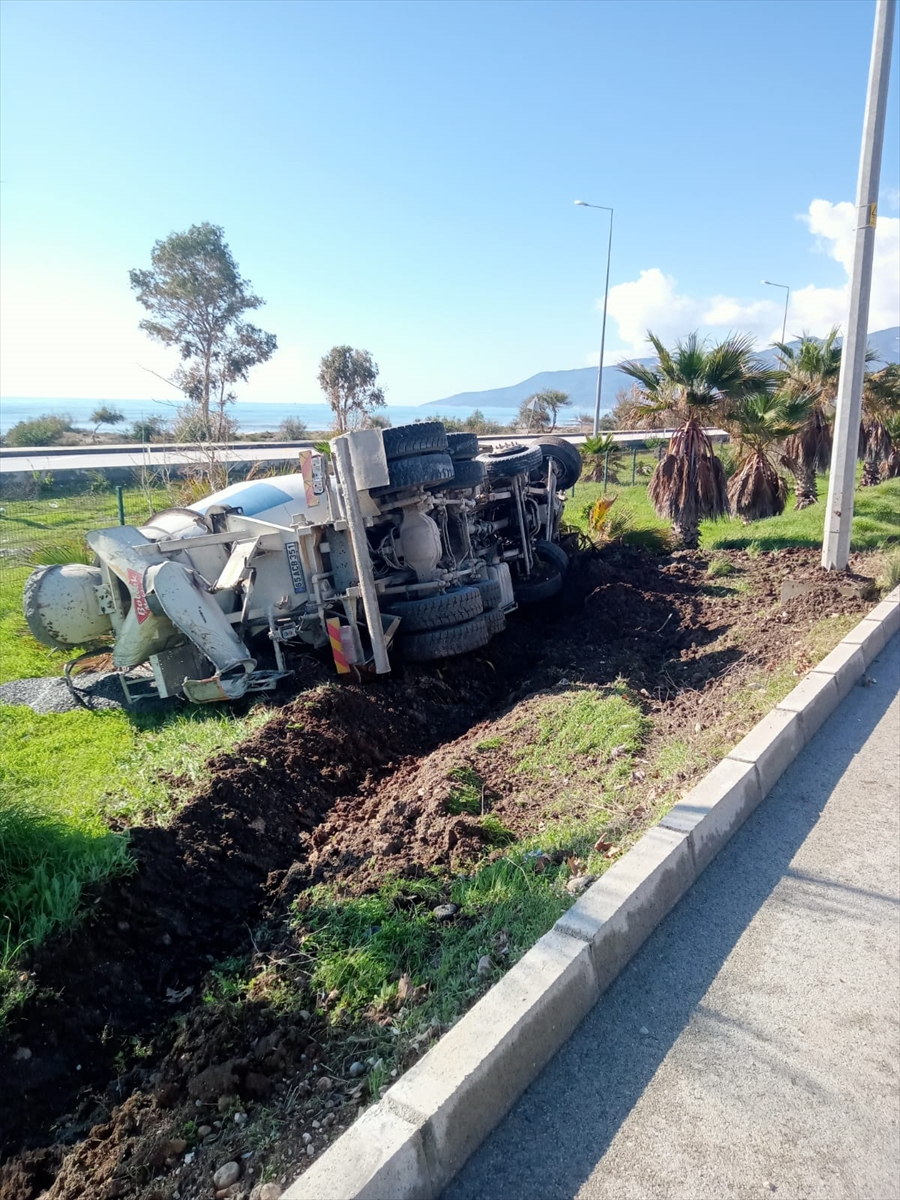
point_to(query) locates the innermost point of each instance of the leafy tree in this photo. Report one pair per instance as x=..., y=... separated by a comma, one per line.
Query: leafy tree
x=758, y=422
x=347, y=377
x=540, y=412
x=692, y=382
x=104, y=415
x=44, y=430
x=880, y=417
x=197, y=299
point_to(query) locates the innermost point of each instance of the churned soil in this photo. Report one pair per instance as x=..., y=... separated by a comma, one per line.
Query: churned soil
x=120, y=1081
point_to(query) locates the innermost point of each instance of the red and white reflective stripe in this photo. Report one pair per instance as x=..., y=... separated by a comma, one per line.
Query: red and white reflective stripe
x=337, y=646
x=136, y=585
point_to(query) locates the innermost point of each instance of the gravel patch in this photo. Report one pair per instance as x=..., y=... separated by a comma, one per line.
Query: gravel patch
x=94, y=690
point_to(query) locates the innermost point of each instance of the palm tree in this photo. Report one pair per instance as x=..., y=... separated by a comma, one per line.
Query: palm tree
x=686, y=384
x=760, y=421
x=890, y=468
x=599, y=454
x=813, y=365
x=880, y=413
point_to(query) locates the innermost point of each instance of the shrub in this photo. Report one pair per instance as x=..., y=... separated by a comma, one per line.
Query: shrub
x=889, y=576
x=292, y=429
x=149, y=429
x=44, y=430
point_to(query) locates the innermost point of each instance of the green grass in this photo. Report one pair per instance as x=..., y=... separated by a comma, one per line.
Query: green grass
x=63, y=777
x=588, y=728
x=876, y=520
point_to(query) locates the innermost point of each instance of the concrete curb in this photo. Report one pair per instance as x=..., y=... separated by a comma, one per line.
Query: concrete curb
x=411, y=1144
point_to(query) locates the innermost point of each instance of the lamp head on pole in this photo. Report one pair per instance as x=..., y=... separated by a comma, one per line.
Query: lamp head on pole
x=583, y=203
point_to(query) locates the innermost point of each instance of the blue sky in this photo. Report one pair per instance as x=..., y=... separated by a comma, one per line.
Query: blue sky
x=401, y=176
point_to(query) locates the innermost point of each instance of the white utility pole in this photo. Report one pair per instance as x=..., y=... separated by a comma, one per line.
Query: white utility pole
x=605, y=208
x=842, y=484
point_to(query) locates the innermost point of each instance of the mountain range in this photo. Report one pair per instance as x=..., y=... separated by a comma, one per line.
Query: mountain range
x=580, y=384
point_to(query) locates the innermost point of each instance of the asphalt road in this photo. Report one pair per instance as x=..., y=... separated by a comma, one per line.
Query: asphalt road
x=752, y=1047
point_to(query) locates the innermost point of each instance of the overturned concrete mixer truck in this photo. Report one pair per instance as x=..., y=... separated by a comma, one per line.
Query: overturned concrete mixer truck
x=407, y=541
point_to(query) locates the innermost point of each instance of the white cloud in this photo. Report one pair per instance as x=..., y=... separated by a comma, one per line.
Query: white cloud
x=653, y=301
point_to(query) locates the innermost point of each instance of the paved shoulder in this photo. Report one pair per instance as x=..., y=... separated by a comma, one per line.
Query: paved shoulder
x=752, y=1047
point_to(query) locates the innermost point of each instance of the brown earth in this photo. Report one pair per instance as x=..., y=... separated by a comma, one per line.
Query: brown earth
x=116, y=1062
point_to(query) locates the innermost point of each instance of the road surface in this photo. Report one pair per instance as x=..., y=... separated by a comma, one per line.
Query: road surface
x=752, y=1047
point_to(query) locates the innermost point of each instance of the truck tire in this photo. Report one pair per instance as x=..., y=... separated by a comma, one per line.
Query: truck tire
x=549, y=551
x=437, y=612
x=495, y=621
x=506, y=461
x=433, y=644
x=567, y=459
x=467, y=473
x=549, y=581
x=420, y=470
x=463, y=445
x=427, y=437
x=491, y=593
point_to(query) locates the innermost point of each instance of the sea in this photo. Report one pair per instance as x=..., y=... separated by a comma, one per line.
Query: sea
x=251, y=416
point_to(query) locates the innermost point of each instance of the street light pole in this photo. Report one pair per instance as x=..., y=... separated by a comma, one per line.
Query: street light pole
x=842, y=481
x=787, y=299
x=605, y=208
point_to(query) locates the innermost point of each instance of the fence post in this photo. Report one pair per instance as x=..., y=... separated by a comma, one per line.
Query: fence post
x=120, y=500
x=633, y=464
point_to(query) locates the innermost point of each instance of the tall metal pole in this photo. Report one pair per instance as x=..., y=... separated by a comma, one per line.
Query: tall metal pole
x=842, y=483
x=787, y=301
x=605, y=208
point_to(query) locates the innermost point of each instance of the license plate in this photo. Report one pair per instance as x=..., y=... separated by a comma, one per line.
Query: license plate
x=296, y=567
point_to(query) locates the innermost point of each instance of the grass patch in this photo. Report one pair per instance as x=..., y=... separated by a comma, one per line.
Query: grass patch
x=876, y=520
x=720, y=568
x=594, y=729
x=467, y=792
x=63, y=776
x=49, y=853
x=491, y=743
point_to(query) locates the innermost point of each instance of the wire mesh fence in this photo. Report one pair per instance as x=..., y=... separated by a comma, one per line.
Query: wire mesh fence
x=53, y=528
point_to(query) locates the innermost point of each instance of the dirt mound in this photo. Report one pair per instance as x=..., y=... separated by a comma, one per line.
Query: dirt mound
x=198, y=883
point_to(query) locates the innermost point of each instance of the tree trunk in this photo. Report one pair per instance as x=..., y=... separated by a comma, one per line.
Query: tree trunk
x=871, y=473
x=686, y=534
x=807, y=489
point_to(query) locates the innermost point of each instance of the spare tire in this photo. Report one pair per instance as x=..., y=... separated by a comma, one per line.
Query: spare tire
x=426, y=437
x=462, y=445
x=551, y=552
x=467, y=473
x=506, y=461
x=423, y=470
x=432, y=644
x=549, y=580
x=565, y=455
x=436, y=612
